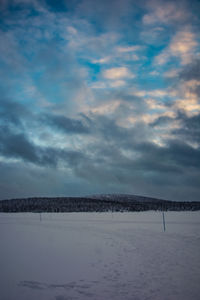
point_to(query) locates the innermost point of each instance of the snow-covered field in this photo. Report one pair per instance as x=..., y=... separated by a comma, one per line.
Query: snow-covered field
x=105, y=256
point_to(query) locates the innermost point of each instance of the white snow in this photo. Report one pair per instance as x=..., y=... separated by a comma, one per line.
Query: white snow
x=119, y=256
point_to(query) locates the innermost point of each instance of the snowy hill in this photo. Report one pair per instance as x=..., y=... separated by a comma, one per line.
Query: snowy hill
x=126, y=197
x=94, y=203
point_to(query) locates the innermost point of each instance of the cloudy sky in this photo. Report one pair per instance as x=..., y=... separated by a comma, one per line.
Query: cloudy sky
x=100, y=96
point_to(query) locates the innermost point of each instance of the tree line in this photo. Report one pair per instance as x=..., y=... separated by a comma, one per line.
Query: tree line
x=84, y=204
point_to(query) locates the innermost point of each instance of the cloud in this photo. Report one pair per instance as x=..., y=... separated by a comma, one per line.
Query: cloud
x=125, y=54
x=125, y=156
x=161, y=120
x=25, y=136
x=171, y=73
x=165, y=12
x=157, y=93
x=106, y=14
x=187, y=93
x=185, y=89
x=86, y=107
x=12, y=112
x=117, y=73
x=192, y=72
x=18, y=146
x=18, y=179
x=102, y=60
x=65, y=124
x=117, y=83
x=153, y=35
x=189, y=129
x=128, y=49
x=181, y=46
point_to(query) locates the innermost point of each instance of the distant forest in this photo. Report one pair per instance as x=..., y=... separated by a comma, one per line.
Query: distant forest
x=89, y=204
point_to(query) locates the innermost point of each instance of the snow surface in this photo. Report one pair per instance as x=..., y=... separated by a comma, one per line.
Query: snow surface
x=100, y=256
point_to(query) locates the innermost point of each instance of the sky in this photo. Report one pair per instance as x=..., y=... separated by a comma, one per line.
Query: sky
x=100, y=97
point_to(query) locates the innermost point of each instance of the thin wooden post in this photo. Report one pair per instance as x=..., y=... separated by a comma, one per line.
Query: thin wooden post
x=164, y=227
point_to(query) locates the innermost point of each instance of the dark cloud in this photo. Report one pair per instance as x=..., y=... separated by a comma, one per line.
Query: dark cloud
x=47, y=49
x=191, y=71
x=189, y=129
x=16, y=126
x=148, y=168
x=65, y=124
x=19, y=179
x=18, y=146
x=107, y=13
x=163, y=120
x=109, y=130
x=124, y=155
x=12, y=112
x=139, y=105
x=115, y=159
x=59, y=6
